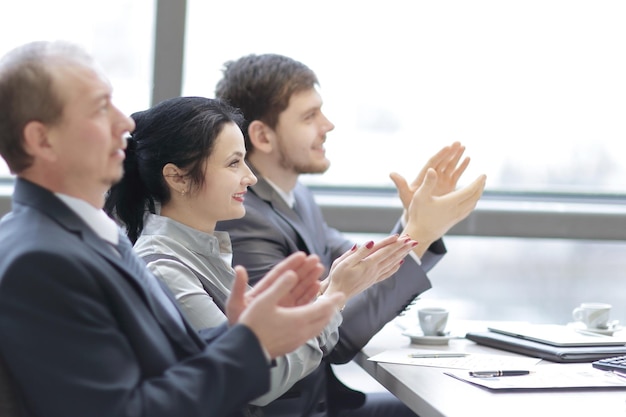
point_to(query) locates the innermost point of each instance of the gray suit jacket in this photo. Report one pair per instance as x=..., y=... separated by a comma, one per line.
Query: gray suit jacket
x=80, y=337
x=271, y=230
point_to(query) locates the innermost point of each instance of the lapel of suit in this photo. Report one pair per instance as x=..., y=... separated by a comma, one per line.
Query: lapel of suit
x=311, y=221
x=30, y=194
x=177, y=329
x=45, y=201
x=303, y=224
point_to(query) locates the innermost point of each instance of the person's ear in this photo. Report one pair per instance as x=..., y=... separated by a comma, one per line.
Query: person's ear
x=175, y=179
x=261, y=136
x=37, y=142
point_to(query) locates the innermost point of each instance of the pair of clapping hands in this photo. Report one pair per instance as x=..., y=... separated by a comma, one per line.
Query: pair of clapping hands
x=279, y=308
x=432, y=205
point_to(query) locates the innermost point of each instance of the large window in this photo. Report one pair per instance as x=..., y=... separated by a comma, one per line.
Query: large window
x=118, y=33
x=536, y=89
x=538, y=280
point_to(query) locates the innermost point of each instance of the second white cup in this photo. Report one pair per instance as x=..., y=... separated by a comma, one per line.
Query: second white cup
x=433, y=320
x=593, y=315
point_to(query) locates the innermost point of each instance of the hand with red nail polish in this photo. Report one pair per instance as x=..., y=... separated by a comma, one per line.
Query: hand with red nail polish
x=356, y=270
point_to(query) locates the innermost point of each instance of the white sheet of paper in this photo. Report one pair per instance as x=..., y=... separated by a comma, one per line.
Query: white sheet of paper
x=549, y=377
x=473, y=361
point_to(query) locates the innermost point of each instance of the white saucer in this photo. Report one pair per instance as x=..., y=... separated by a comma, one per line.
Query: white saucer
x=614, y=327
x=417, y=337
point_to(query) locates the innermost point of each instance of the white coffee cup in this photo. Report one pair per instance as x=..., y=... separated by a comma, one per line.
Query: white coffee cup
x=593, y=315
x=433, y=320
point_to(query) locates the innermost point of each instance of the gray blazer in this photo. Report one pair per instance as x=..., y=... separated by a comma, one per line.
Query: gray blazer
x=271, y=230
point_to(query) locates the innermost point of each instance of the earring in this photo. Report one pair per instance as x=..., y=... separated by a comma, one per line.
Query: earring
x=182, y=193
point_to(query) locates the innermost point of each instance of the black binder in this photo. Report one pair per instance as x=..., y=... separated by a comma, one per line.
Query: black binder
x=544, y=351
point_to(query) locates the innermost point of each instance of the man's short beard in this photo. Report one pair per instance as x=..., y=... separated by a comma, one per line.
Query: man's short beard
x=288, y=164
x=306, y=168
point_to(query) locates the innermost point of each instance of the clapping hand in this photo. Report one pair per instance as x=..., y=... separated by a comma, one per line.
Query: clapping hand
x=307, y=269
x=432, y=204
x=430, y=216
x=279, y=329
x=446, y=165
x=361, y=267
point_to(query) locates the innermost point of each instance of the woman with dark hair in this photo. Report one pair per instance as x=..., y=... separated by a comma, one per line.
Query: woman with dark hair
x=184, y=172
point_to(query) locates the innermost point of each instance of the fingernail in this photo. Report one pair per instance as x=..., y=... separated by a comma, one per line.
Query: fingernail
x=353, y=248
x=414, y=244
x=401, y=261
x=369, y=244
x=407, y=240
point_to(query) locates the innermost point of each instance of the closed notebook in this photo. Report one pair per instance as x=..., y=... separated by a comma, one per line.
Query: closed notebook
x=557, y=334
x=561, y=354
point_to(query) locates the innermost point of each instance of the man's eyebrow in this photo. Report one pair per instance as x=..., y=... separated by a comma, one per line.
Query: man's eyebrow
x=312, y=109
x=106, y=96
x=101, y=96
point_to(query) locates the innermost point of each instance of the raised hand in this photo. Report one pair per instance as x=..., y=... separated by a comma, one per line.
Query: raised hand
x=280, y=330
x=359, y=268
x=430, y=216
x=446, y=165
x=307, y=269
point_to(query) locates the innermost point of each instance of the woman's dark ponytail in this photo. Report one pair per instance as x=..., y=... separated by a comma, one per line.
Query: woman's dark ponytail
x=128, y=200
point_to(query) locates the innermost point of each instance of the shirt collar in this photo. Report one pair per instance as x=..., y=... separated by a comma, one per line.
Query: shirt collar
x=288, y=198
x=103, y=225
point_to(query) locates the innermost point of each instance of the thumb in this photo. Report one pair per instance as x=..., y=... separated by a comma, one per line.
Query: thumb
x=399, y=182
x=404, y=191
x=430, y=181
x=240, y=284
x=481, y=181
x=236, y=299
x=474, y=190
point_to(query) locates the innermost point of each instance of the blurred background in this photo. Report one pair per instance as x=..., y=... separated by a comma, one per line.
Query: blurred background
x=536, y=90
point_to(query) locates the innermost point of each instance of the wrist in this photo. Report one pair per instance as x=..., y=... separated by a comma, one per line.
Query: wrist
x=340, y=305
x=422, y=239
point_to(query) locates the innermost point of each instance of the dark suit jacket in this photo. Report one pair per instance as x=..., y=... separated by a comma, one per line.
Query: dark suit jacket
x=79, y=338
x=271, y=230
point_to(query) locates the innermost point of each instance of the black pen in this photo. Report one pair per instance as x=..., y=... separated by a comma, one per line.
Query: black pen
x=491, y=374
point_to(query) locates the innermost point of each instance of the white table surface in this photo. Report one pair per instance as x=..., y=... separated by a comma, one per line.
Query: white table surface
x=431, y=393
